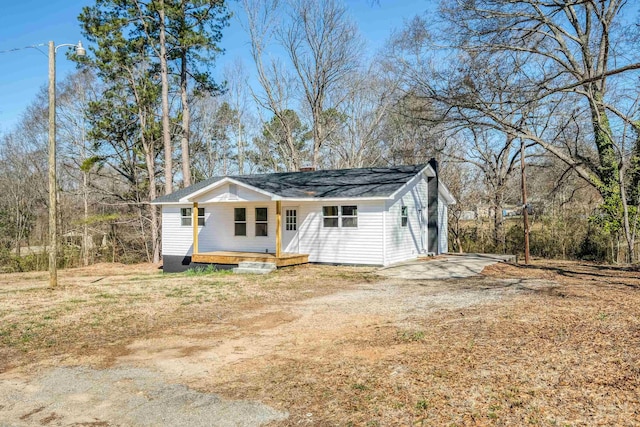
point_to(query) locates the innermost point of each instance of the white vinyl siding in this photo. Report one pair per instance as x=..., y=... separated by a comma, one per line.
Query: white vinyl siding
x=176, y=238
x=219, y=230
x=220, y=236
x=404, y=243
x=342, y=245
x=348, y=245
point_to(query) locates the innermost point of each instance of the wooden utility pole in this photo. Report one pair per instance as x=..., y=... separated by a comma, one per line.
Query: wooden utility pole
x=525, y=213
x=53, y=185
x=53, y=202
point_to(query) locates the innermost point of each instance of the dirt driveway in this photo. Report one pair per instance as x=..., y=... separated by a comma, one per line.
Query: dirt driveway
x=288, y=362
x=444, y=267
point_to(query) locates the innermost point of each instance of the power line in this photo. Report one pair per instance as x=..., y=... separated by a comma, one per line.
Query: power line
x=35, y=46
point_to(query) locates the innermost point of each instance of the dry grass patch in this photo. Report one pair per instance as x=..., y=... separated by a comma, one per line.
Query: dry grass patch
x=97, y=310
x=552, y=344
x=565, y=357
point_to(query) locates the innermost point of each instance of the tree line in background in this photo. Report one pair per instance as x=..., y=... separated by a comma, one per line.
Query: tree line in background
x=470, y=85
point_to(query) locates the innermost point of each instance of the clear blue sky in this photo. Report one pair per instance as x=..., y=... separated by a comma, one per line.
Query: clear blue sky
x=31, y=22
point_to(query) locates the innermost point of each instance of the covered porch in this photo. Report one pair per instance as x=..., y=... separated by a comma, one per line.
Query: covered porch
x=231, y=257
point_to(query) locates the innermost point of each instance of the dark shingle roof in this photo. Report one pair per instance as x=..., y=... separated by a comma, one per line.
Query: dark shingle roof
x=361, y=182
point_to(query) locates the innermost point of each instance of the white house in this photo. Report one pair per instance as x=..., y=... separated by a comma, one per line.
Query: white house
x=366, y=216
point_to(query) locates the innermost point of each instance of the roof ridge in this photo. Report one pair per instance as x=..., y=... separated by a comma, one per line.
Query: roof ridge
x=422, y=165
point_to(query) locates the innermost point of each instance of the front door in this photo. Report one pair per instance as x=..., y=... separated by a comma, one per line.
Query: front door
x=290, y=230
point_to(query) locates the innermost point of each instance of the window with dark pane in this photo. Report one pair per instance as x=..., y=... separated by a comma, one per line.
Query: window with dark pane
x=185, y=217
x=330, y=216
x=262, y=225
x=201, y=217
x=404, y=215
x=349, y=216
x=240, y=218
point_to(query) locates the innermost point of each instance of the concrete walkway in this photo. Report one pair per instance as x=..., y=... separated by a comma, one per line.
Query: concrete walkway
x=444, y=267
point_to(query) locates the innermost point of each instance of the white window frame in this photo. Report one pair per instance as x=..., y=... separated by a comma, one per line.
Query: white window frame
x=235, y=221
x=348, y=218
x=264, y=222
x=404, y=216
x=291, y=221
x=186, y=219
x=335, y=217
x=340, y=217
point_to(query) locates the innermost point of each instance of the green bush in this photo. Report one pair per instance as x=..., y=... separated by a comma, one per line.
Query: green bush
x=594, y=245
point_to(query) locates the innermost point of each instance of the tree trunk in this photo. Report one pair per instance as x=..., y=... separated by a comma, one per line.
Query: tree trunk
x=150, y=162
x=626, y=226
x=457, y=236
x=240, y=148
x=498, y=225
x=85, y=222
x=317, y=135
x=153, y=210
x=166, y=131
x=525, y=213
x=186, y=121
x=608, y=171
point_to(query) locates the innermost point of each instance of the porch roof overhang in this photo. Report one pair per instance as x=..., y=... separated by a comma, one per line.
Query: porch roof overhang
x=227, y=180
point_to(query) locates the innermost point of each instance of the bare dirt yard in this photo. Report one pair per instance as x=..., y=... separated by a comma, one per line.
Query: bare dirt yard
x=555, y=343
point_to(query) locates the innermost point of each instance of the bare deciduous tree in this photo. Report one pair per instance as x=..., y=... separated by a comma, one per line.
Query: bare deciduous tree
x=560, y=52
x=323, y=46
x=277, y=85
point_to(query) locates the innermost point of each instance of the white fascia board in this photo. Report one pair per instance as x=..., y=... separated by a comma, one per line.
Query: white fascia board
x=284, y=199
x=331, y=199
x=442, y=189
x=223, y=181
x=428, y=171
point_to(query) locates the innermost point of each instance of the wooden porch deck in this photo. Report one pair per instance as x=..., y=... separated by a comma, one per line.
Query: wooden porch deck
x=227, y=257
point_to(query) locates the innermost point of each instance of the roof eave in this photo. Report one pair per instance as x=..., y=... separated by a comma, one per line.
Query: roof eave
x=160, y=203
x=428, y=170
x=446, y=193
x=331, y=199
x=287, y=199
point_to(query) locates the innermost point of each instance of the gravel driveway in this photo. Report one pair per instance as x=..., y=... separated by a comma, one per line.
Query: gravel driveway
x=125, y=396
x=444, y=267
